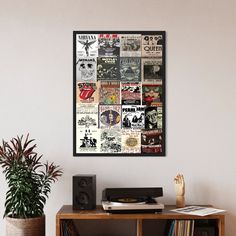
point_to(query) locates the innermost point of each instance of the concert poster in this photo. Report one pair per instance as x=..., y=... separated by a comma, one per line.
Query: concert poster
x=131, y=93
x=133, y=117
x=152, y=70
x=130, y=68
x=110, y=141
x=109, y=93
x=131, y=140
x=87, y=116
x=152, y=46
x=151, y=94
x=87, y=93
x=153, y=117
x=88, y=140
x=86, y=69
x=109, y=116
x=86, y=45
x=119, y=84
x=130, y=45
x=107, y=68
x=151, y=141
x=108, y=45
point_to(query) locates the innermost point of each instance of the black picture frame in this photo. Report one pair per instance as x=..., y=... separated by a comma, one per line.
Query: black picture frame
x=152, y=66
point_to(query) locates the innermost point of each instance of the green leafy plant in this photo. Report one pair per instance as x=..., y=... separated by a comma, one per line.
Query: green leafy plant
x=28, y=179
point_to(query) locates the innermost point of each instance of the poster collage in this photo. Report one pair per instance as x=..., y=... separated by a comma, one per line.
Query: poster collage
x=119, y=86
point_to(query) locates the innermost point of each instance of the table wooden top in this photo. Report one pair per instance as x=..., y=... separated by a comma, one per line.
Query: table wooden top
x=67, y=212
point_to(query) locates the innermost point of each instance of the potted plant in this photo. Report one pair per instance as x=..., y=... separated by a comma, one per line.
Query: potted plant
x=29, y=182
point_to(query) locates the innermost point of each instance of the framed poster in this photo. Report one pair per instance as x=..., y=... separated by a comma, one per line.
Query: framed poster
x=119, y=93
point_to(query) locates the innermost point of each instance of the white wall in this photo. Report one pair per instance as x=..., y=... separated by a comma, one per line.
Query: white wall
x=36, y=94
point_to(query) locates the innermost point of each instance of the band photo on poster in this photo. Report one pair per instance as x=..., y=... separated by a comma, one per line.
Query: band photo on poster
x=107, y=68
x=153, y=117
x=130, y=45
x=151, y=141
x=133, y=117
x=88, y=140
x=119, y=84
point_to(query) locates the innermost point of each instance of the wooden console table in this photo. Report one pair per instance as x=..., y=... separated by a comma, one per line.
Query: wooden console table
x=67, y=212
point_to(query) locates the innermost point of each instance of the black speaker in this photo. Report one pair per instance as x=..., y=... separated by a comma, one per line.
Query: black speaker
x=84, y=192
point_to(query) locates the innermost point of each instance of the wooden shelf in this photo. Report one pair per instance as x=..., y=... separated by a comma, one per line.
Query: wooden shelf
x=67, y=212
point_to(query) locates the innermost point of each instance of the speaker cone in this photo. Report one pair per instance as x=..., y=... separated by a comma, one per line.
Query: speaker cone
x=83, y=198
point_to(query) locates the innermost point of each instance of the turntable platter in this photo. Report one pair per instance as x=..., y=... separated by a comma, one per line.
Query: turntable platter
x=128, y=200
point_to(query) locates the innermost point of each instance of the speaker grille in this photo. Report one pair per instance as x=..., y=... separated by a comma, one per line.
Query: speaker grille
x=84, y=192
x=83, y=183
x=83, y=198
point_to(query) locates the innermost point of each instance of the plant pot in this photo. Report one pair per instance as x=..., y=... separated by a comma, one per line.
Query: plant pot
x=25, y=227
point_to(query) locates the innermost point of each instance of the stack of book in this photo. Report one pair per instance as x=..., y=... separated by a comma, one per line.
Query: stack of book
x=181, y=228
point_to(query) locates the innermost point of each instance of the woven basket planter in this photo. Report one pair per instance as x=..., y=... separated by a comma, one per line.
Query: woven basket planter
x=25, y=227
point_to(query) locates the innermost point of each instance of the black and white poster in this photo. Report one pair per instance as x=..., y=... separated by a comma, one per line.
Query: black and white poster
x=109, y=45
x=88, y=140
x=86, y=69
x=119, y=84
x=153, y=117
x=133, y=117
x=130, y=45
x=130, y=68
x=110, y=140
x=152, y=45
x=107, y=68
x=86, y=45
x=152, y=70
x=87, y=116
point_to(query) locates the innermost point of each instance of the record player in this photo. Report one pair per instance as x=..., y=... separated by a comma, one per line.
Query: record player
x=132, y=200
